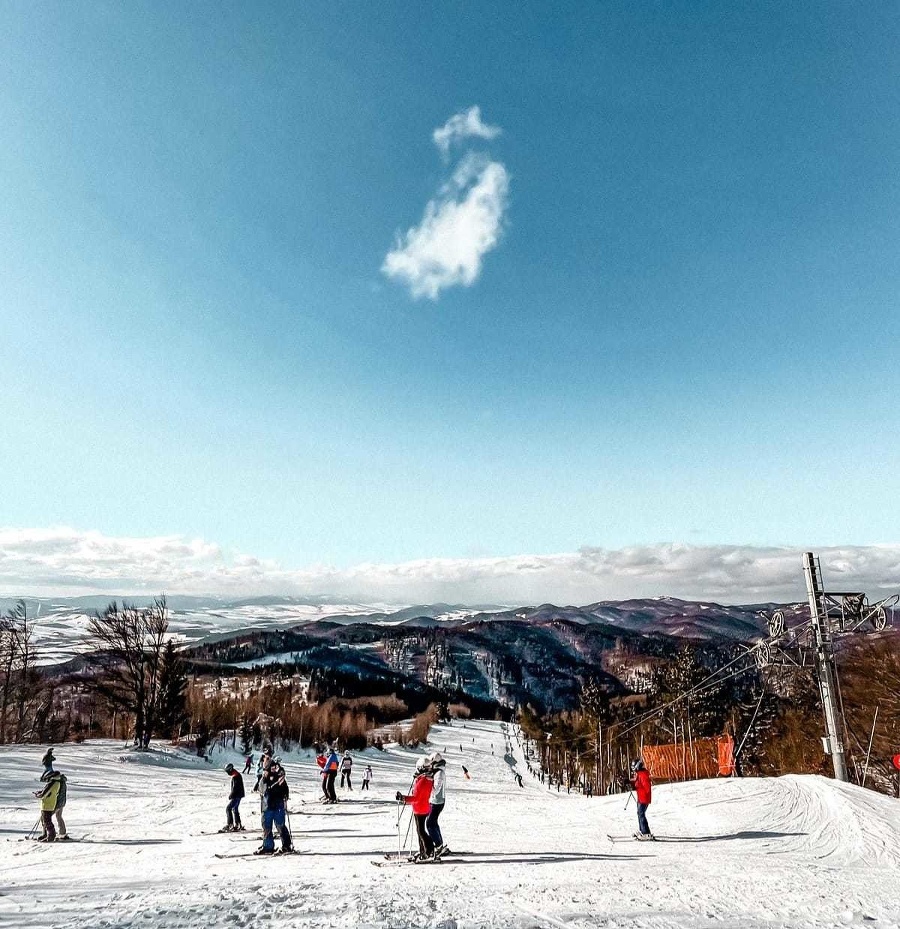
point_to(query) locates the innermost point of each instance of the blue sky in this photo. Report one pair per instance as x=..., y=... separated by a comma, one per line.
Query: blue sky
x=685, y=331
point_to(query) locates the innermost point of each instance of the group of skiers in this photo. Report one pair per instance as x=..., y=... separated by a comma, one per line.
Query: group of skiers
x=427, y=798
x=330, y=763
x=53, y=801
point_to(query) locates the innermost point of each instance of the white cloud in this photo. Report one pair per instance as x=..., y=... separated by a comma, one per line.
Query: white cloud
x=63, y=561
x=459, y=227
x=465, y=125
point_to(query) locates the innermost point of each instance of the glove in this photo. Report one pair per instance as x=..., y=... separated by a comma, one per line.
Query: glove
x=400, y=797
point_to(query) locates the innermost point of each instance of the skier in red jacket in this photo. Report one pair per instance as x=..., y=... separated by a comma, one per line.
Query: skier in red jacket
x=640, y=778
x=420, y=800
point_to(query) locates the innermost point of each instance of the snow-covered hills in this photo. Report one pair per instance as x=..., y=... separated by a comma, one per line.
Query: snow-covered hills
x=61, y=624
x=797, y=852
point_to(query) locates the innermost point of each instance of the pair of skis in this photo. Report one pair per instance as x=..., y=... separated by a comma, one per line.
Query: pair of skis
x=635, y=837
x=278, y=853
x=393, y=859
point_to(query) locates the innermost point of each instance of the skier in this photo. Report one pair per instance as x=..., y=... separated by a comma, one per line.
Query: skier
x=420, y=800
x=321, y=758
x=437, y=800
x=262, y=770
x=276, y=796
x=367, y=777
x=640, y=779
x=49, y=797
x=47, y=760
x=235, y=795
x=332, y=763
x=248, y=763
x=346, y=769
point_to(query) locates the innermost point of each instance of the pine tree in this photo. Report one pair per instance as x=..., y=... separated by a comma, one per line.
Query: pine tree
x=246, y=735
x=172, y=686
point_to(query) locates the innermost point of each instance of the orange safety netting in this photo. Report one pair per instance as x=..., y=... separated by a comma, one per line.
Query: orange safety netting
x=687, y=760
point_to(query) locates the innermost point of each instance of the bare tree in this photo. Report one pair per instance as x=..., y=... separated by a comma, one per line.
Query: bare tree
x=130, y=643
x=21, y=686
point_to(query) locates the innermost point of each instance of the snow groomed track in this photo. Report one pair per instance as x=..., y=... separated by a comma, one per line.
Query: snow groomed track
x=744, y=854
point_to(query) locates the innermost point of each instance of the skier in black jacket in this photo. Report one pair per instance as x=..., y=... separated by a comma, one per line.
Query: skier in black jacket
x=276, y=794
x=235, y=795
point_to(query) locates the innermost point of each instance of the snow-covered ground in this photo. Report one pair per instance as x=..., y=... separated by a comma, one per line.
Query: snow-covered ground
x=744, y=854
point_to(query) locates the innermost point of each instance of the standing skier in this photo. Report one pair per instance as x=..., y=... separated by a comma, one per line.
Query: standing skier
x=235, y=795
x=438, y=790
x=276, y=797
x=47, y=760
x=321, y=759
x=367, y=777
x=420, y=800
x=640, y=779
x=346, y=768
x=248, y=763
x=332, y=763
x=262, y=770
x=49, y=797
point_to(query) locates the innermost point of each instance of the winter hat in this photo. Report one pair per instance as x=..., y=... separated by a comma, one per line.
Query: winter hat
x=347, y=753
x=229, y=768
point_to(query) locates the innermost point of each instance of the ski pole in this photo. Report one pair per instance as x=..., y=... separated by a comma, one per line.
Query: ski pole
x=630, y=795
x=33, y=829
x=287, y=815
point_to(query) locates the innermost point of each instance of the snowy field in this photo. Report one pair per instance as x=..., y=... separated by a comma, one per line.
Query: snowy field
x=742, y=854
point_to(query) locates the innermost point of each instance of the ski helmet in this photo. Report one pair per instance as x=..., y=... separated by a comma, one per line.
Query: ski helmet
x=229, y=768
x=422, y=763
x=436, y=758
x=636, y=765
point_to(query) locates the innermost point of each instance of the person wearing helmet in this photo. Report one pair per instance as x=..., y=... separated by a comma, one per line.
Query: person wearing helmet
x=438, y=789
x=640, y=779
x=235, y=795
x=346, y=768
x=420, y=800
x=276, y=797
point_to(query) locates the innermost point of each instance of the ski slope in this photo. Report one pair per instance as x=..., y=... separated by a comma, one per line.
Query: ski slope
x=743, y=854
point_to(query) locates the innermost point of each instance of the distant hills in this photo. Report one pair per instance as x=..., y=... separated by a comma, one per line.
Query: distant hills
x=61, y=623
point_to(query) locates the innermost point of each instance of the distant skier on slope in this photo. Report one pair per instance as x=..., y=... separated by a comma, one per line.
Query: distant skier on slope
x=47, y=760
x=235, y=795
x=321, y=760
x=332, y=763
x=437, y=800
x=248, y=763
x=367, y=777
x=276, y=797
x=420, y=800
x=346, y=769
x=640, y=779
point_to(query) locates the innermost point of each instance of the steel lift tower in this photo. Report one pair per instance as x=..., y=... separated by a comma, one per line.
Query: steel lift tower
x=818, y=612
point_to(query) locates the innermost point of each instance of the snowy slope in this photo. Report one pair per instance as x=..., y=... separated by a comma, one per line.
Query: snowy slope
x=794, y=851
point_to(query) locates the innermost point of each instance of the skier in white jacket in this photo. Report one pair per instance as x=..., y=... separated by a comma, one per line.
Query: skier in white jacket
x=438, y=799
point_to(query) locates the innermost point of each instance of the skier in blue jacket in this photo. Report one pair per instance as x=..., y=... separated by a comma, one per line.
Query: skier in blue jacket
x=332, y=764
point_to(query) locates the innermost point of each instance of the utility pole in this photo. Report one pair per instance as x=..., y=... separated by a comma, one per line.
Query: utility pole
x=825, y=667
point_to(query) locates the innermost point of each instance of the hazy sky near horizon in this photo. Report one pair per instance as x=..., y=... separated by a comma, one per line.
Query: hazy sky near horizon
x=342, y=284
